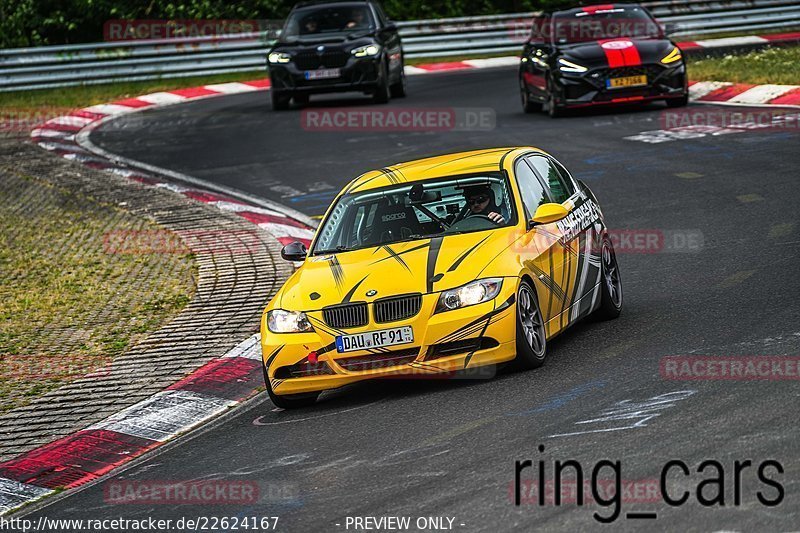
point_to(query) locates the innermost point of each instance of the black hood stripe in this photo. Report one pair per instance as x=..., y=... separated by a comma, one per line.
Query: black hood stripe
x=433, y=255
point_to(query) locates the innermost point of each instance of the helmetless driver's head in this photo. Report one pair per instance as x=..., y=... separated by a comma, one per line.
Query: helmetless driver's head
x=478, y=198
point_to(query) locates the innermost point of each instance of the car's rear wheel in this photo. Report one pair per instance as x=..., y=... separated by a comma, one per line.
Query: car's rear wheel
x=289, y=401
x=280, y=101
x=683, y=101
x=382, y=91
x=528, y=105
x=610, y=284
x=531, y=338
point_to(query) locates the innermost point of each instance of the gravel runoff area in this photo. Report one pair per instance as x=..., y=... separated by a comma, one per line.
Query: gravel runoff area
x=111, y=291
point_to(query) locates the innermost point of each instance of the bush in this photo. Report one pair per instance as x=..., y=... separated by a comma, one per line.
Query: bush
x=48, y=22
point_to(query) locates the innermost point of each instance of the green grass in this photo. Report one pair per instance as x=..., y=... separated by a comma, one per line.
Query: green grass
x=71, y=303
x=67, y=98
x=772, y=65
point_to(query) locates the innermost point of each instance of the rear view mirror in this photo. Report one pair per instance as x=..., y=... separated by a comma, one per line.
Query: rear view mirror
x=550, y=212
x=417, y=195
x=294, y=251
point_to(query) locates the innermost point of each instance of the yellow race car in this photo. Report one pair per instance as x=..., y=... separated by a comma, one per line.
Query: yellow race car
x=439, y=266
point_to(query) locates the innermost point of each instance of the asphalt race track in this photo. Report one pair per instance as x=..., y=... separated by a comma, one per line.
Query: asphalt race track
x=722, y=281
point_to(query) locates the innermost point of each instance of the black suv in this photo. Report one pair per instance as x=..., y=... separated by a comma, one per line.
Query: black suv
x=336, y=47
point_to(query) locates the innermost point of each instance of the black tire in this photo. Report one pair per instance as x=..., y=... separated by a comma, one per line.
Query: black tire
x=398, y=89
x=301, y=99
x=528, y=105
x=531, y=337
x=289, y=401
x=280, y=101
x=683, y=101
x=610, y=284
x=552, y=109
x=382, y=91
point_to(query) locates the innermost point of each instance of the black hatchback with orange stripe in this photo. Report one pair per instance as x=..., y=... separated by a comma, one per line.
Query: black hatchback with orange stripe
x=599, y=55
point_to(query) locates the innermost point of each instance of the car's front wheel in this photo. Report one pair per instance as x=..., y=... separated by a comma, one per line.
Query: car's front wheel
x=531, y=338
x=382, y=91
x=683, y=101
x=289, y=401
x=398, y=89
x=610, y=285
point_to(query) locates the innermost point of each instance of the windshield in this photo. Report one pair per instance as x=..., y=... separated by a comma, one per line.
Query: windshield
x=316, y=21
x=595, y=24
x=445, y=206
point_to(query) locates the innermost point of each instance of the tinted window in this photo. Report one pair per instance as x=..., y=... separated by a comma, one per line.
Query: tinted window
x=530, y=188
x=600, y=22
x=382, y=216
x=326, y=20
x=560, y=189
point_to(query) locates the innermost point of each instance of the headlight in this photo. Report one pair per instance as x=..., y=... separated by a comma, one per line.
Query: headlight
x=280, y=321
x=279, y=57
x=569, y=66
x=472, y=293
x=672, y=57
x=366, y=51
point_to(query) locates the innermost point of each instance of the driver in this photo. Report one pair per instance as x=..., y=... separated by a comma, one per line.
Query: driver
x=356, y=19
x=480, y=201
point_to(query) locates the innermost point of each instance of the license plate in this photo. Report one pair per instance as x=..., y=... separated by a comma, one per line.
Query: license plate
x=627, y=81
x=374, y=339
x=323, y=73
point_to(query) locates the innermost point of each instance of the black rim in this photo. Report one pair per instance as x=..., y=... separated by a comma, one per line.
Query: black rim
x=531, y=321
x=611, y=275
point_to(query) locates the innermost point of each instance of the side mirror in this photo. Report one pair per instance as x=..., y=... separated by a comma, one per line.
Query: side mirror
x=550, y=212
x=390, y=26
x=294, y=251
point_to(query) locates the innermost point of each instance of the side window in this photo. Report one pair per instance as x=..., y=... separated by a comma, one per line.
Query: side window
x=530, y=188
x=560, y=189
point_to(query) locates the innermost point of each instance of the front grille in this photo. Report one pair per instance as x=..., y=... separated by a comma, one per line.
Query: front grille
x=456, y=347
x=378, y=361
x=397, y=308
x=303, y=369
x=345, y=315
x=311, y=60
x=651, y=71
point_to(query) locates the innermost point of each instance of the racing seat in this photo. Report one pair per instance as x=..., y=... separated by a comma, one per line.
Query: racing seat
x=394, y=222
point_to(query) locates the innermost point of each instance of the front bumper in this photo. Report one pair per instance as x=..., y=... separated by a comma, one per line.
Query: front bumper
x=357, y=74
x=589, y=88
x=444, y=343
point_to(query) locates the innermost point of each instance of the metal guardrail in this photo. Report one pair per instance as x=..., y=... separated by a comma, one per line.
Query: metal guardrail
x=69, y=65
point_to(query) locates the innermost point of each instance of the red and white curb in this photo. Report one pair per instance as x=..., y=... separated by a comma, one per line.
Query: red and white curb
x=719, y=92
x=88, y=454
